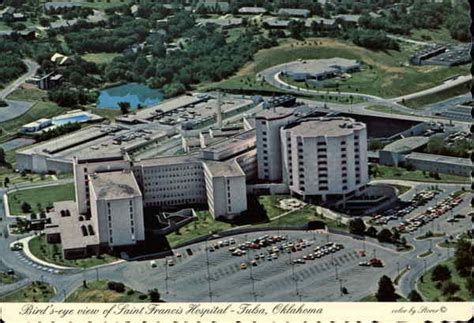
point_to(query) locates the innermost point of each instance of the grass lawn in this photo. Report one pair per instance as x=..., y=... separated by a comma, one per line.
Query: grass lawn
x=204, y=224
x=6, y=279
x=304, y=215
x=430, y=292
x=268, y=205
x=28, y=94
x=400, y=275
x=36, y=292
x=429, y=35
x=419, y=103
x=100, y=58
x=45, y=196
x=385, y=109
x=98, y=292
x=387, y=73
x=53, y=253
x=390, y=172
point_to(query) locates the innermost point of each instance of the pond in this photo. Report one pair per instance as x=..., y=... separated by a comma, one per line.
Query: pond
x=133, y=93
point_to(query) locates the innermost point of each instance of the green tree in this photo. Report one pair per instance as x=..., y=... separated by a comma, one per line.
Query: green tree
x=386, y=291
x=414, y=296
x=154, y=295
x=463, y=257
x=450, y=288
x=357, y=226
x=385, y=235
x=25, y=207
x=441, y=273
x=124, y=107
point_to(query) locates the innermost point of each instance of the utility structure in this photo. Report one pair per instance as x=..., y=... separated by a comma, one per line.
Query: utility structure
x=219, y=110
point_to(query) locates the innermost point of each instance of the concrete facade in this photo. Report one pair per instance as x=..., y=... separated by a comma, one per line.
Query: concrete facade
x=324, y=156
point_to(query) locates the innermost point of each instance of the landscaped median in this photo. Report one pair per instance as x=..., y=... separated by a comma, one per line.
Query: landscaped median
x=398, y=173
x=52, y=253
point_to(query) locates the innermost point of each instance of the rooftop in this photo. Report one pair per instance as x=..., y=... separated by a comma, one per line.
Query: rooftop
x=294, y=12
x=337, y=126
x=275, y=113
x=167, y=160
x=69, y=227
x=254, y=10
x=407, y=144
x=440, y=159
x=319, y=66
x=114, y=185
x=226, y=169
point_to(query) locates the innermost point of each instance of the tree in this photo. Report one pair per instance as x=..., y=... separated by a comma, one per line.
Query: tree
x=385, y=235
x=296, y=28
x=414, y=296
x=154, y=295
x=357, y=226
x=463, y=257
x=6, y=181
x=371, y=232
x=441, y=273
x=25, y=207
x=386, y=291
x=450, y=288
x=124, y=107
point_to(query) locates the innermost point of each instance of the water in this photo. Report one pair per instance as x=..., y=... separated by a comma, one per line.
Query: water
x=58, y=121
x=133, y=93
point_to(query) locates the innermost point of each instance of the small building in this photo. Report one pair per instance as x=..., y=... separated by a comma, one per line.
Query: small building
x=213, y=6
x=61, y=5
x=252, y=11
x=60, y=59
x=47, y=81
x=320, y=69
x=36, y=125
x=290, y=12
x=440, y=164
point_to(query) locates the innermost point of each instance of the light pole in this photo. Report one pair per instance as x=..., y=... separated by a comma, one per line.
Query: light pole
x=335, y=268
x=166, y=273
x=207, y=264
x=424, y=264
x=398, y=268
x=97, y=273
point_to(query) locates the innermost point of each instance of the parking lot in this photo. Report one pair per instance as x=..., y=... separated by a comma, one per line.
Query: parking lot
x=282, y=276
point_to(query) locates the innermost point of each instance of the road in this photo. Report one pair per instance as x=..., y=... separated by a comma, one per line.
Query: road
x=17, y=108
x=272, y=76
x=446, y=85
x=272, y=280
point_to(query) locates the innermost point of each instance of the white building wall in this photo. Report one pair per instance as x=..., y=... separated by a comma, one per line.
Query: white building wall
x=81, y=172
x=169, y=185
x=321, y=165
x=269, y=148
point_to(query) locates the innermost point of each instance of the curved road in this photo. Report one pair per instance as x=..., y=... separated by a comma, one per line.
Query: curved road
x=272, y=76
x=16, y=108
